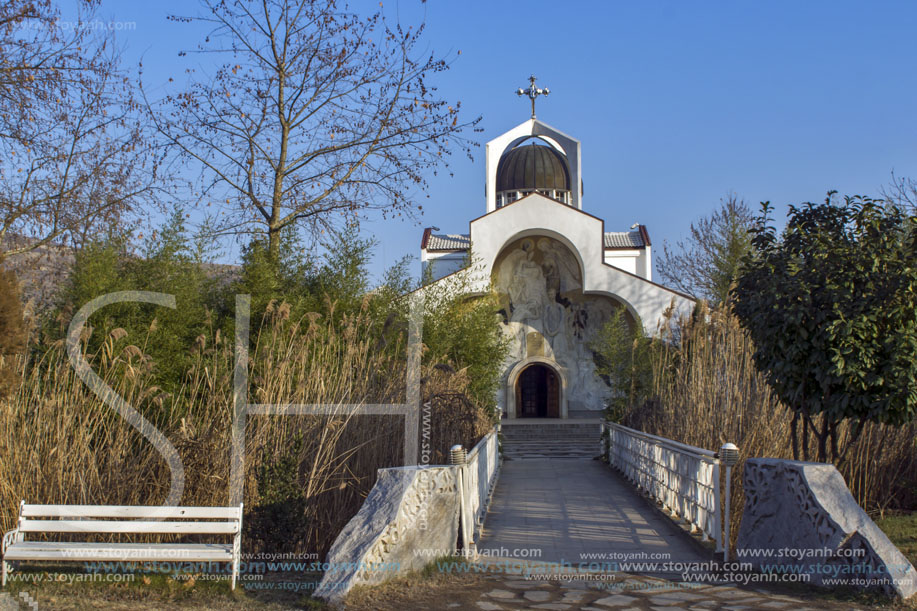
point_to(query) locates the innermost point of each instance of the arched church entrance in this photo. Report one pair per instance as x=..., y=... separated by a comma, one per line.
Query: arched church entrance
x=538, y=392
x=549, y=320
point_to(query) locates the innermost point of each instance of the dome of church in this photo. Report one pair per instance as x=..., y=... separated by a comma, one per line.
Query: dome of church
x=532, y=168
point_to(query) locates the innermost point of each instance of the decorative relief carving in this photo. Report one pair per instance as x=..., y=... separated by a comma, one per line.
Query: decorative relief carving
x=409, y=508
x=807, y=507
x=554, y=315
x=541, y=286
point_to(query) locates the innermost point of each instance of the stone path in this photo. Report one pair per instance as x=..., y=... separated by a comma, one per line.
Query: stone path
x=576, y=511
x=559, y=536
x=506, y=592
x=644, y=593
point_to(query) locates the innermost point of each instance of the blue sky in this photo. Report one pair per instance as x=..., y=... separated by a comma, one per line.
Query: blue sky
x=675, y=103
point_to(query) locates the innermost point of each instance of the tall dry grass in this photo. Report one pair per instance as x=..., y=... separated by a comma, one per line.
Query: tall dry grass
x=706, y=391
x=60, y=444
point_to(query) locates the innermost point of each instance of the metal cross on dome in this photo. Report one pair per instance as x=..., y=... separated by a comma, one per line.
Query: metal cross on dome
x=533, y=92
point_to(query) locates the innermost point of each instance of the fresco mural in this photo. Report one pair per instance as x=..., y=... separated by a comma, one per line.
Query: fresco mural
x=546, y=314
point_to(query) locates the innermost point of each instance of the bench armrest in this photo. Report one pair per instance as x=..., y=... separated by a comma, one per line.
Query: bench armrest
x=9, y=538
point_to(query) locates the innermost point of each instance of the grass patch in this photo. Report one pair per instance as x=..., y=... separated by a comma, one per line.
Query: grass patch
x=63, y=588
x=902, y=530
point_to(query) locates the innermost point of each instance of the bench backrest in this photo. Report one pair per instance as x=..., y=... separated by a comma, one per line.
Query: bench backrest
x=141, y=519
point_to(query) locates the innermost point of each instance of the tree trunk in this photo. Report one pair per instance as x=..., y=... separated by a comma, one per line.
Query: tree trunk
x=794, y=430
x=823, y=440
x=273, y=241
x=805, y=437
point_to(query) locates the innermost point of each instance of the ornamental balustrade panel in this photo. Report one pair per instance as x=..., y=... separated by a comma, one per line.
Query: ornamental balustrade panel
x=684, y=479
x=479, y=479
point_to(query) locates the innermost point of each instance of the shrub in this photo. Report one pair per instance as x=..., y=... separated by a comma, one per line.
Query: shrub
x=622, y=351
x=166, y=263
x=64, y=445
x=464, y=331
x=277, y=522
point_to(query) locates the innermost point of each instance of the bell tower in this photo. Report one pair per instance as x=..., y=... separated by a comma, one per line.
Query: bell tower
x=533, y=157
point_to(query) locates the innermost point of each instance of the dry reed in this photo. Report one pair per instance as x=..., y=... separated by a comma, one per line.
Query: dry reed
x=707, y=391
x=60, y=444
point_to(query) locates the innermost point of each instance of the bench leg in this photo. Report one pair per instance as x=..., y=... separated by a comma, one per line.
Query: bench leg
x=3, y=583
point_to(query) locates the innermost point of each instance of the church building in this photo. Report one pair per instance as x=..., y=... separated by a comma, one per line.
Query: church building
x=558, y=273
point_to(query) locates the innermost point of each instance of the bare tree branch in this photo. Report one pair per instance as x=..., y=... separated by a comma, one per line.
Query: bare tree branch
x=72, y=156
x=902, y=191
x=315, y=112
x=706, y=264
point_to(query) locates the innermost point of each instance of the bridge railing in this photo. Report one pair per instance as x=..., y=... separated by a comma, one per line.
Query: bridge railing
x=479, y=477
x=684, y=479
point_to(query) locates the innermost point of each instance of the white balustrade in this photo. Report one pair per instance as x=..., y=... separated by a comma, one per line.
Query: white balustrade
x=684, y=479
x=479, y=478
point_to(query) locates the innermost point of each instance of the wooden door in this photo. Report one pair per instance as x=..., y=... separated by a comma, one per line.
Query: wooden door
x=538, y=393
x=552, y=400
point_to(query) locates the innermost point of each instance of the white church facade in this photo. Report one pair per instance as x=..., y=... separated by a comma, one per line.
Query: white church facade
x=558, y=274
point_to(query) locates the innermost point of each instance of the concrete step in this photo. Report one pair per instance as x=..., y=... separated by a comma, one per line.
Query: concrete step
x=568, y=440
x=532, y=439
x=553, y=432
x=551, y=447
x=550, y=434
x=525, y=451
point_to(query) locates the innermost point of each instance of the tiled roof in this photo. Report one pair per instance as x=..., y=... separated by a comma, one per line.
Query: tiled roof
x=624, y=239
x=449, y=241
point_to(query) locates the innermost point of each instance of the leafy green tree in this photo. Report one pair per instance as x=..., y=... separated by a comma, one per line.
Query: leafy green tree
x=463, y=328
x=166, y=263
x=284, y=278
x=308, y=283
x=621, y=351
x=344, y=276
x=830, y=306
x=707, y=263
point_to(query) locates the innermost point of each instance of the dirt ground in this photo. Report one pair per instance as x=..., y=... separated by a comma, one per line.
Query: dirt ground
x=432, y=591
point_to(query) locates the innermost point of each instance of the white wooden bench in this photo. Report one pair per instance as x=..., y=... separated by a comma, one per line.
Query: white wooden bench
x=76, y=520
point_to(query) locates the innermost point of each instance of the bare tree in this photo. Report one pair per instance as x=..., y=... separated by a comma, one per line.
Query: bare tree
x=70, y=146
x=314, y=113
x=706, y=264
x=903, y=192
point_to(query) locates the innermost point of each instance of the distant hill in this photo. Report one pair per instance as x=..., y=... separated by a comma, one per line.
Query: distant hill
x=43, y=272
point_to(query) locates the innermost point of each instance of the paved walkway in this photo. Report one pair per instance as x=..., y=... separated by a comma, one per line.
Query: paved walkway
x=635, y=594
x=525, y=590
x=577, y=511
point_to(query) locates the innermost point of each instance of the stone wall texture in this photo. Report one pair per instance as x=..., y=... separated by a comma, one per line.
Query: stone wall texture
x=804, y=514
x=411, y=516
x=409, y=509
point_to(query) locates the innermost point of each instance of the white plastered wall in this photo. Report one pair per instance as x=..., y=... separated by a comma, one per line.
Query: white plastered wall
x=441, y=263
x=583, y=234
